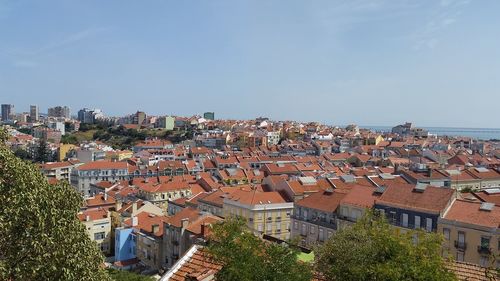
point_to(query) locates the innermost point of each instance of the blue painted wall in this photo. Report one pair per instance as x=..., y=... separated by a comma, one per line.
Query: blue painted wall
x=411, y=217
x=124, y=244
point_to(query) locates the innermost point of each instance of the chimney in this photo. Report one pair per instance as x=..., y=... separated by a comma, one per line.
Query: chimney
x=105, y=196
x=134, y=207
x=87, y=218
x=155, y=228
x=184, y=223
x=135, y=221
x=203, y=229
x=118, y=205
x=429, y=172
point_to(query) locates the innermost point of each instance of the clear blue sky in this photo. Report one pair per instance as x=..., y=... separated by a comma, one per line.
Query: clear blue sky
x=436, y=63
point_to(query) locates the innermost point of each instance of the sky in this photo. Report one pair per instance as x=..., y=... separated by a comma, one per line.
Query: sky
x=373, y=62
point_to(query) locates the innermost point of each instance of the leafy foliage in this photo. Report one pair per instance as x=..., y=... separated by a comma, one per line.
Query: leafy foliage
x=69, y=139
x=22, y=153
x=246, y=257
x=122, y=275
x=41, y=237
x=374, y=250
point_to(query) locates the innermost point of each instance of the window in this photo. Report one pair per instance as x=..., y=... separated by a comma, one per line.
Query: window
x=460, y=256
x=344, y=211
x=417, y=222
x=485, y=242
x=278, y=227
x=446, y=233
x=321, y=235
x=287, y=214
x=428, y=225
x=404, y=219
x=312, y=229
x=295, y=225
x=304, y=229
x=259, y=227
x=99, y=235
x=392, y=217
x=269, y=227
x=483, y=261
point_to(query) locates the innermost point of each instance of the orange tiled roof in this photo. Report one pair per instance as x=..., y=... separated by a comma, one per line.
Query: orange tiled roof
x=196, y=265
x=432, y=199
x=471, y=272
x=470, y=213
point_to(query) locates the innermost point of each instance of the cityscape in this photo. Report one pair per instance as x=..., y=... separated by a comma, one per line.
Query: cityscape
x=250, y=140
x=153, y=185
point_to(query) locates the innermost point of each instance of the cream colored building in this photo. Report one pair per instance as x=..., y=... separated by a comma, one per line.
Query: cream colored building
x=98, y=225
x=472, y=232
x=160, y=194
x=265, y=212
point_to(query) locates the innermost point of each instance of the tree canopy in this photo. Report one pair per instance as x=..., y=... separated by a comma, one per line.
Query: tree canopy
x=373, y=250
x=41, y=237
x=246, y=257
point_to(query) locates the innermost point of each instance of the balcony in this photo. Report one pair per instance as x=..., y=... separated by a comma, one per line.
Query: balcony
x=484, y=250
x=460, y=245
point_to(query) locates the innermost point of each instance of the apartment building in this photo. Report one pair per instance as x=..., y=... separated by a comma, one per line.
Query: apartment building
x=414, y=206
x=182, y=230
x=98, y=225
x=160, y=193
x=59, y=170
x=93, y=172
x=265, y=212
x=471, y=230
x=315, y=219
x=148, y=232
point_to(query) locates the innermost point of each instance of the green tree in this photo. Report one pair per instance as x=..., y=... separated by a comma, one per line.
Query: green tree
x=69, y=139
x=122, y=275
x=22, y=153
x=246, y=257
x=41, y=237
x=374, y=250
x=42, y=152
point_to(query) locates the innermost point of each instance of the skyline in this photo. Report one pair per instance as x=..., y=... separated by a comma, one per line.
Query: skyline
x=336, y=62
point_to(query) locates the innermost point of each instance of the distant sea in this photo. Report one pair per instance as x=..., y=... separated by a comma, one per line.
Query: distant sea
x=476, y=133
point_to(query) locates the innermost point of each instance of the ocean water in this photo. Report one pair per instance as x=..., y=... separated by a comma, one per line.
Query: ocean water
x=476, y=133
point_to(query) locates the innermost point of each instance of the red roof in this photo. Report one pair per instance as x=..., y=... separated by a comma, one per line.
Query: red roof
x=469, y=212
x=146, y=221
x=432, y=199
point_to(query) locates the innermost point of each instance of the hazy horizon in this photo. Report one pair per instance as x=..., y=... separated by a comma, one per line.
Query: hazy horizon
x=373, y=63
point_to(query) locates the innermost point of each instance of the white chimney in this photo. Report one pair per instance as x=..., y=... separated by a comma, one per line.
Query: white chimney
x=105, y=196
x=134, y=207
x=135, y=221
x=87, y=218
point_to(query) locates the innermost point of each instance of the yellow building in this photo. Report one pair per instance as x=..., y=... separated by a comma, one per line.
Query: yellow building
x=265, y=212
x=63, y=151
x=472, y=232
